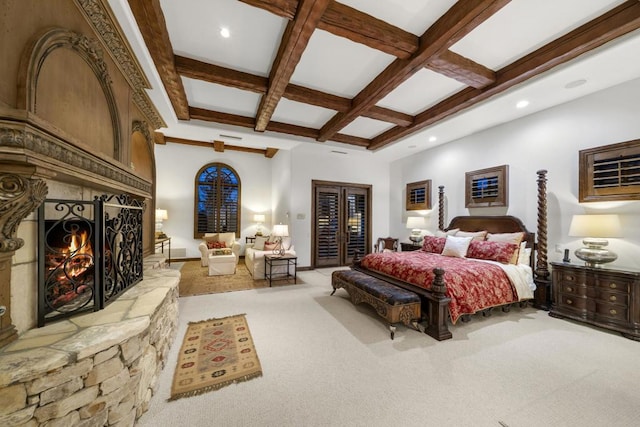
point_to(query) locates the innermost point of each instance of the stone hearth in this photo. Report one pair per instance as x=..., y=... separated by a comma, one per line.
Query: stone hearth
x=94, y=369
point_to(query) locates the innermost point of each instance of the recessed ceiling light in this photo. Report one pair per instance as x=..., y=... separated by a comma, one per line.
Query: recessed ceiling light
x=522, y=104
x=224, y=32
x=575, y=83
x=432, y=139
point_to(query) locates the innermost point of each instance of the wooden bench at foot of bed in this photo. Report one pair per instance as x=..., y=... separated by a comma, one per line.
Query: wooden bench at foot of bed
x=390, y=302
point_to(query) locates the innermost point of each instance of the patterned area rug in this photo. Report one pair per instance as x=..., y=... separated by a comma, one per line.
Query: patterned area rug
x=214, y=354
x=195, y=280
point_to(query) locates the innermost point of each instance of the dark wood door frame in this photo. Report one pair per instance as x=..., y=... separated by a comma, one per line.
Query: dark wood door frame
x=315, y=184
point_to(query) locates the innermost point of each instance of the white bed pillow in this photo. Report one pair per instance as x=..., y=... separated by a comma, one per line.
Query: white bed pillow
x=476, y=235
x=258, y=245
x=456, y=246
x=452, y=232
x=524, y=257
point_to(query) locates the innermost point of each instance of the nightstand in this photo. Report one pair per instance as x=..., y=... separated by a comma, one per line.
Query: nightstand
x=407, y=247
x=607, y=297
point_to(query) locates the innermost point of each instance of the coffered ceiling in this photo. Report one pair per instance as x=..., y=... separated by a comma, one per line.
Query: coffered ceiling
x=381, y=76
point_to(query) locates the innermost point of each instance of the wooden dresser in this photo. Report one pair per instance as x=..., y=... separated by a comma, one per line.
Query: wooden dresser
x=608, y=297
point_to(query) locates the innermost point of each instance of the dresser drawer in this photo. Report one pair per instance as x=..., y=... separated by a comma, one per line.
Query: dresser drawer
x=613, y=283
x=612, y=297
x=569, y=277
x=611, y=312
x=570, y=288
x=573, y=301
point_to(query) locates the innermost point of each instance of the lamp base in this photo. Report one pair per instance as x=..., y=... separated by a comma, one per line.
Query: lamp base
x=595, y=256
x=416, y=239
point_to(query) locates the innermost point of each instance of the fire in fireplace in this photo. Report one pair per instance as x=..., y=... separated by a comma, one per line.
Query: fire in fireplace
x=89, y=253
x=69, y=265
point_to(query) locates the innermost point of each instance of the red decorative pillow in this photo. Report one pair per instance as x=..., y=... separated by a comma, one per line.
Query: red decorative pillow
x=492, y=251
x=270, y=246
x=216, y=245
x=433, y=244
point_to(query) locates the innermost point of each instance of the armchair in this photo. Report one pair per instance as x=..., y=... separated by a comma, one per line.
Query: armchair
x=229, y=240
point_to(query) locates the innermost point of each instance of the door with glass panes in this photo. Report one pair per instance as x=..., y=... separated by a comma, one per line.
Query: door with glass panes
x=340, y=223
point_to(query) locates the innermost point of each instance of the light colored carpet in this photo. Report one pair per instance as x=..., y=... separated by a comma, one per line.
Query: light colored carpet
x=326, y=362
x=195, y=280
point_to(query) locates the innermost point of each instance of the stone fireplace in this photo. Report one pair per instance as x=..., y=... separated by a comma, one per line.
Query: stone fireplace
x=76, y=124
x=89, y=254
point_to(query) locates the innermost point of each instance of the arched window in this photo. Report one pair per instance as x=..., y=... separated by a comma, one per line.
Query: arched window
x=217, y=200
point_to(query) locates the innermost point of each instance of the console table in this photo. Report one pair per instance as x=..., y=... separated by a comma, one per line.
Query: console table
x=288, y=261
x=607, y=297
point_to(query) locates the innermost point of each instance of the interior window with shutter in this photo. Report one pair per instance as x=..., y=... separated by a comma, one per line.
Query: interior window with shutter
x=610, y=172
x=217, y=200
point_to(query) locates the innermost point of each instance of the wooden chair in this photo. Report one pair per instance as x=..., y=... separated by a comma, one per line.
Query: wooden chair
x=386, y=243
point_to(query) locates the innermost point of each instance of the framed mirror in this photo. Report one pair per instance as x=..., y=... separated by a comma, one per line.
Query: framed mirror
x=419, y=196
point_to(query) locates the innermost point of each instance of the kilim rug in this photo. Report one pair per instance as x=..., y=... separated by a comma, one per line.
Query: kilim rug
x=214, y=354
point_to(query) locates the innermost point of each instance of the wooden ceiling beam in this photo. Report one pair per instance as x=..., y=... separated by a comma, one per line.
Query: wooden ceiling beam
x=150, y=19
x=350, y=23
x=294, y=42
x=616, y=23
x=237, y=79
x=199, y=70
x=218, y=146
x=458, y=21
x=344, y=21
x=462, y=69
x=267, y=152
x=219, y=117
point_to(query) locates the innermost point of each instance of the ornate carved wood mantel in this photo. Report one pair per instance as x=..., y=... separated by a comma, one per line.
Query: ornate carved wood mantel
x=71, y=95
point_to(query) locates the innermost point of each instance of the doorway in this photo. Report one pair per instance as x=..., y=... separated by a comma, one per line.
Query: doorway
x=341, y=222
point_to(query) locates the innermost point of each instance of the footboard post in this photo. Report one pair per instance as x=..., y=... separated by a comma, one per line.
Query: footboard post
x=437, y=308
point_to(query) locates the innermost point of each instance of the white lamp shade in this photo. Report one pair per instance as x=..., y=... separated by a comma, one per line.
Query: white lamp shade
x=258, y=218
x=280, y=230
x=414, y=222
x=602, y=226
x=161, y=214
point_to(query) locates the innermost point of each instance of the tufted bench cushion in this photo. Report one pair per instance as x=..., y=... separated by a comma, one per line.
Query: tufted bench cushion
x=392, y=303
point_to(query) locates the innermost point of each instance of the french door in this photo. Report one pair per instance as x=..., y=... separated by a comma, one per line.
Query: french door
x=341, y=222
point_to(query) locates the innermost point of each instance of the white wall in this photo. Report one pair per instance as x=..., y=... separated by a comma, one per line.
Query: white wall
x=279, y=187
x=177, y=165
x=314, y=162
x=547, y=140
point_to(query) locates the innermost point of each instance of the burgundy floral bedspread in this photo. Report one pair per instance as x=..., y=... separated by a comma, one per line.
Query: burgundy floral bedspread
x=471, y=285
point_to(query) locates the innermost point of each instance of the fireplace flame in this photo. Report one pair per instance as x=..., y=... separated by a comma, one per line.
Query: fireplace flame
x=72, y=266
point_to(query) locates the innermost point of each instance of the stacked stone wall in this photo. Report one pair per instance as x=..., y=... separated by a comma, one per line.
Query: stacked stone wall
x=88, y=380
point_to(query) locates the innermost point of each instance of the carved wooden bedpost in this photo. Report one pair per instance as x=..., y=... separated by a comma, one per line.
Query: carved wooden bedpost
x=437, y=309
x=543, y=292
x=441, y=207
x=19, y=196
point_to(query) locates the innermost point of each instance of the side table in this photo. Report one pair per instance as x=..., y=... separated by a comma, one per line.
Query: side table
x=408, y=247
x=288, y=261
x=160, y=242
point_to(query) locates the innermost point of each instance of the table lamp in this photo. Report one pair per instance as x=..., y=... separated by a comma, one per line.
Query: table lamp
x=595, y=229
x=258, y=218
x=280, y=231
x=161, y=215
x=416, y=223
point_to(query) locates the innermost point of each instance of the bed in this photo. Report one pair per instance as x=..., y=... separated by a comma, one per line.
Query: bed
x=453, y=288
